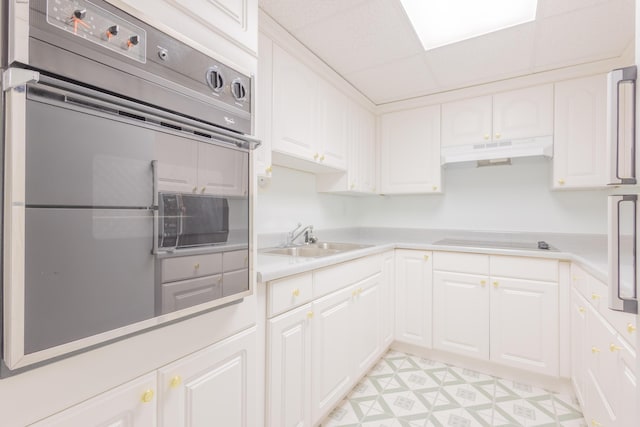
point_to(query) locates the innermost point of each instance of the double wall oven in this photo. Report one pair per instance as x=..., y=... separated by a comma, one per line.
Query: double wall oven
x=126, y=170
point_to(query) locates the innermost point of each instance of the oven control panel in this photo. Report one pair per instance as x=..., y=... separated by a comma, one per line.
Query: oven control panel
x=84, y=19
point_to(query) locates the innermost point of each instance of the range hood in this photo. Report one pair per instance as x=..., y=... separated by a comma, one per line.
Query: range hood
x=492, y=150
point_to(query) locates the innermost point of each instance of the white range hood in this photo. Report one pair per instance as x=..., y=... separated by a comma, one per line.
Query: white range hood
x=493, y=150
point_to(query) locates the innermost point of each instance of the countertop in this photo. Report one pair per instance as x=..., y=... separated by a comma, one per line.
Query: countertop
x=589, y=251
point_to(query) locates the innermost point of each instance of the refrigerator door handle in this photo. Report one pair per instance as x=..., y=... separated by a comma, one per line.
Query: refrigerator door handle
x=614, y=79
x=616, y=300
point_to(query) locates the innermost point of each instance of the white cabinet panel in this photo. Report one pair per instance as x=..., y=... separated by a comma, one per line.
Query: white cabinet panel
x=289, y=369
x=579, y=346
x=366, y=323
x=413, y=297
x=466, y=122
x=524, y=324
x=523, y=113
x=130, y=405
x=387, y=301
x=410, y=151
x=177, y=164
x=295, y=98
x=579, y=151
x=215, y=386
x=332, y=368
x=461, y=313
x=264, y=107
x=332, y=127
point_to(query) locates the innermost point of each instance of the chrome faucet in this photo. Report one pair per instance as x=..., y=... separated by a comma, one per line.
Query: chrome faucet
x=309, y=237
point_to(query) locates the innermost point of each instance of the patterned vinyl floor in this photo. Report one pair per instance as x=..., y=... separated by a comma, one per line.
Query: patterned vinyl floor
x=405, y=390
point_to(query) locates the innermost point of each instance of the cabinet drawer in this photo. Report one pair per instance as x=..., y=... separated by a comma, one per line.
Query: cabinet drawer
x=289, y=292
x=236, y=260
x=623, y=323
x=189, y=267
x=524, y=268
x=337, y=277
x=187, y=293
x=580, y=280
x=461, y=262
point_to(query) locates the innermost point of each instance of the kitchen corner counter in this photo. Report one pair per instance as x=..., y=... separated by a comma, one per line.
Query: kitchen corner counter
x=590, y=251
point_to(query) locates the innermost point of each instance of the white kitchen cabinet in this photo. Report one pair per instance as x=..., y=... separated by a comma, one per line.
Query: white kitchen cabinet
x=264, y=108
x=308, y=128
x=215, y=386
x=507, y=116
x=410, y=151
x=579, y=347
x=387, y=301
x=133, y=404
x=524, y=324
x=461, y=313
x=200, y=168
x=414, y=297
x=360, y=176
x=332, y=367
x=579, y=151
x=289, y=369
x=366, y=322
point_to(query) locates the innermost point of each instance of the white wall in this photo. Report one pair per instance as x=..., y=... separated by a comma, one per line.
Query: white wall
x=498, y=198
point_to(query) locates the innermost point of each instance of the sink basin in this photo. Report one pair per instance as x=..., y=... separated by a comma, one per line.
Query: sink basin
x=314, y=250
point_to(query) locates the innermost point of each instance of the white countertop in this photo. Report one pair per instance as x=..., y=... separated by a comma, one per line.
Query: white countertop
x=590, y=251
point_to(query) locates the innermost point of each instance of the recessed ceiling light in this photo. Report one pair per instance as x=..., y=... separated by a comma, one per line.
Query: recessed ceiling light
x=442, y=22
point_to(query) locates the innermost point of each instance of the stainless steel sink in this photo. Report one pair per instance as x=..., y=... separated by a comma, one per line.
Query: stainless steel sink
x=314, y=250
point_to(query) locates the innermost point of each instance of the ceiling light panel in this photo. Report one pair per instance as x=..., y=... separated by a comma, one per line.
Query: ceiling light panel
x=442, y=22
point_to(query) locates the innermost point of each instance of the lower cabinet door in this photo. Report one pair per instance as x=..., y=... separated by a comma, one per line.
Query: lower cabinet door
x=579, y=348
x=132, y=405
x=461, y=313
x=413, y=297
x=366, y=323
x=331, y=346
x=387, y=299
x=524, y=324
x=214, y=387
x=289, y=369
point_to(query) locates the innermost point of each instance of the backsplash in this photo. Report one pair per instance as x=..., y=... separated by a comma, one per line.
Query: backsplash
x=499, y=198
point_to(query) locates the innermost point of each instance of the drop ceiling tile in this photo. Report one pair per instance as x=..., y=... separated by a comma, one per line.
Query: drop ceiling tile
x=585, y=35
x=495, y=56
x=295, y=14
x=372, y=33
x=400, y=79
x=547, y=8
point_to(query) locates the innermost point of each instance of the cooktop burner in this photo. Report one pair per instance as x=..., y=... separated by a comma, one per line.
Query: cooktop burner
x=529, y=246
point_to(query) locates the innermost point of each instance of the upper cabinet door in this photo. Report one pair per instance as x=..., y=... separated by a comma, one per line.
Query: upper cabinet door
x=466, y=122
x=579, y=152
x=410, y=151
x=523, y=113
x=295, y=90
x=332, y=127
x=236, y=20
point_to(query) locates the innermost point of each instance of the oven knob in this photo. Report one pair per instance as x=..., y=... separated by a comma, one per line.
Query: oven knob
x=238, y=90
x=133, y=40
x=112, y=31
x=215, y=79
x=80, y=13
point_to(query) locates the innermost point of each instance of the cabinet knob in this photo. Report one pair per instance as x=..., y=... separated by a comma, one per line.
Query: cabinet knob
x=498, y=136
x=352, y=186
x=630, y=328
x=496, y=284
x=613, y=347
x=574, y=278
x=296, y=292
x=175, y=381
x=486, y=136
x=561, y=181
x=315, y=156
x=203, y=190
x=483, y=282
x=595, y=296
x=195, y=189
x=426, y=257
x=435, y=188
x=309, y=314
x=359, y=291
x=354, y=292
x=595, y=350
x=147, y=396
x=196, y=266
x=322, y=158
x=594, y=423
x=269, y=169
x=581, y=309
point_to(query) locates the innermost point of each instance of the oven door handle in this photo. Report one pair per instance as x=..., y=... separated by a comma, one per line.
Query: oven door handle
x=156, y=215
